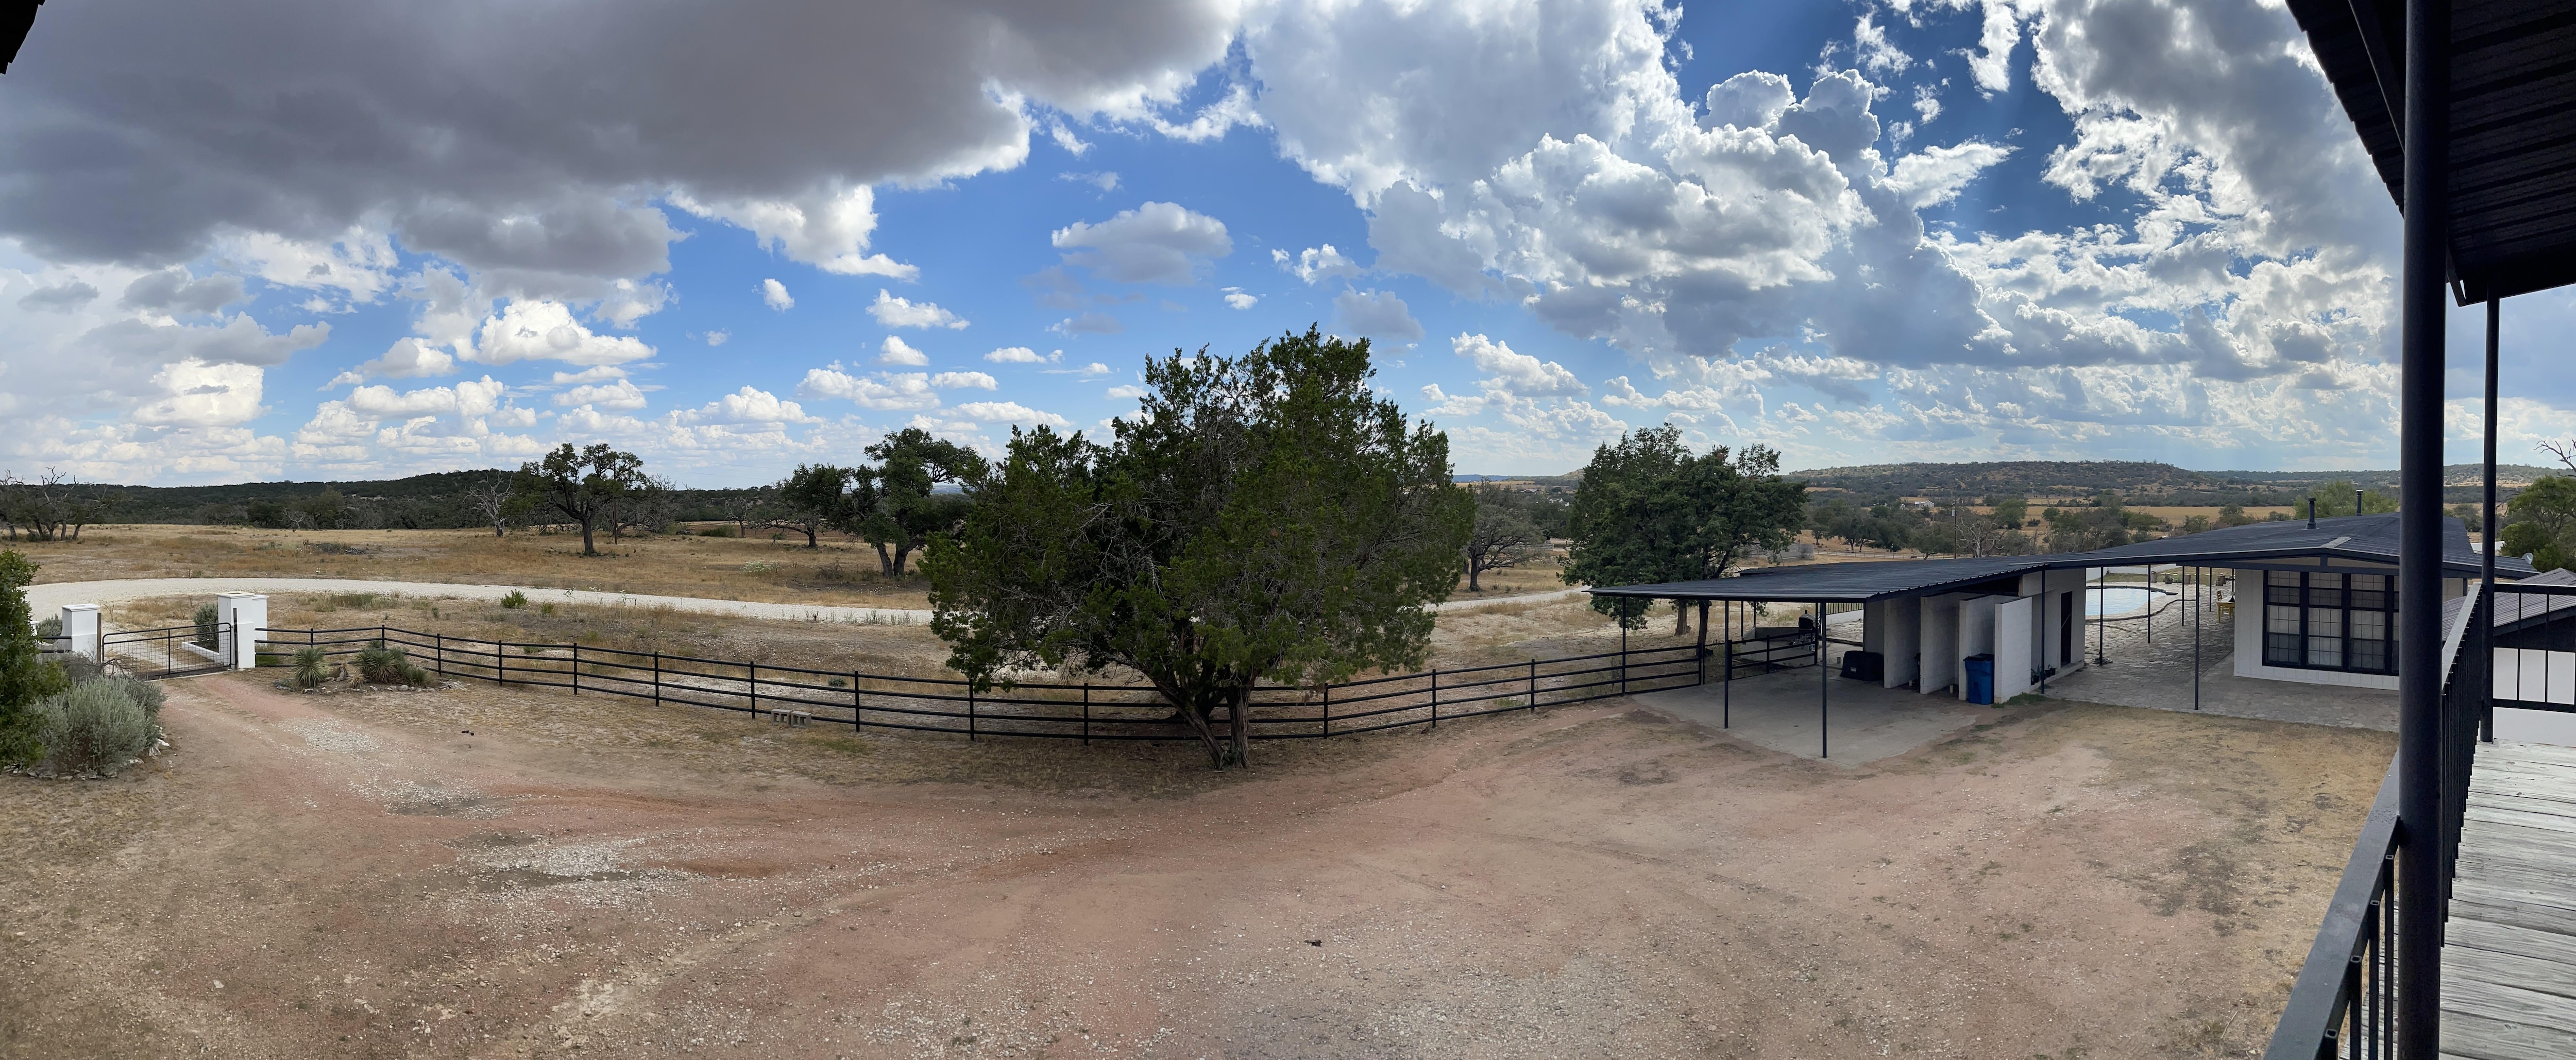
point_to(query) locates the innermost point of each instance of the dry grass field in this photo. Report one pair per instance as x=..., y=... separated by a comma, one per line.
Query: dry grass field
x=784, y=571
x=841, y=572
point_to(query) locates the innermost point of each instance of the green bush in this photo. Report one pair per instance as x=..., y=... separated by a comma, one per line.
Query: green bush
x=718, y=530
x=381, y=665
x=94, y=728
x=26, y=678
x=205, y=619
x=49, y=628
x=546, y=610
x=308, y=668
x=515, y=600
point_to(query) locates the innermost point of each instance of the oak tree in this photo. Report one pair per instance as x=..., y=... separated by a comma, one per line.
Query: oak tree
x=1261, y=518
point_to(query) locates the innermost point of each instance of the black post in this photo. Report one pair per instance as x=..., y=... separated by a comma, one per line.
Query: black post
x=2420, y=297
x=2199, y=588
x=438, y=652
x=970, y=712
x=1435, y=694
x=1086, y=713
x=753, y=669
x=1824, y=678
x=576, y=668
x=657, y=677
x=1533, y=691
x=859, y=717
x=1726, y=685
x=2487, y=530
x=1701, y=654
x=1623, y=656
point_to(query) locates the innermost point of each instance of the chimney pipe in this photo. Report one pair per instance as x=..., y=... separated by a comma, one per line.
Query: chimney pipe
x=2312, y=513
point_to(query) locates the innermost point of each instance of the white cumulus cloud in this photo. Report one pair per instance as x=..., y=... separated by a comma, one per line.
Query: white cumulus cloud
x=1158, y=242
x=896, y=312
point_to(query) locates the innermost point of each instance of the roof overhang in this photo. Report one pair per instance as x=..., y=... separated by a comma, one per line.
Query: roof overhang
x=2513, y=128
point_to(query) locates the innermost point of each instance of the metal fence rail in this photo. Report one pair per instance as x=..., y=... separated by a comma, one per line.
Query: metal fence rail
x=1082, y=711
x=2344, y=1002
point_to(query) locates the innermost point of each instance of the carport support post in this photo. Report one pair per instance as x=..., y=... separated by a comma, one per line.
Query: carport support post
x=1824, y=678
x=1726, y=684
x=1702, y=654
x=2195, y=638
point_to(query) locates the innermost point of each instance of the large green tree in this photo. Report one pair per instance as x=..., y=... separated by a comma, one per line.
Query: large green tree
x=2541, y=523
x=1263, y=518
x=1649, y=510
x=25, y=675
x=817, y=497
x=1506, y=533
x=906, y=505
x=585, y=486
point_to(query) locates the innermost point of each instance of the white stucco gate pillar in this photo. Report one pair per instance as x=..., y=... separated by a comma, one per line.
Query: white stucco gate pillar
x=247, y=614
x=80, y=623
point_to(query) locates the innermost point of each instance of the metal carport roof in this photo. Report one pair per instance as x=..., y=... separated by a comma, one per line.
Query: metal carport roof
x=2362, y=538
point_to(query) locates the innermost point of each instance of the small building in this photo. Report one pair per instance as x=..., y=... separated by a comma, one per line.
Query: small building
x=2310, y=601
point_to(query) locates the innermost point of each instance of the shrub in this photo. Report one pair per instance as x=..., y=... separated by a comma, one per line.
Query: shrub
x=50, y=628
x=381, y=665
x=546, y=610
x=205, y=620
x=26, y=678
x=718, y=530
x=308, y=668
x=96, y=727
x=144, y=693
x=515, y=600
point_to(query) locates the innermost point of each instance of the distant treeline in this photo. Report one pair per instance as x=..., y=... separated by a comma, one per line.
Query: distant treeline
x=421, y=502
x=2136, y=483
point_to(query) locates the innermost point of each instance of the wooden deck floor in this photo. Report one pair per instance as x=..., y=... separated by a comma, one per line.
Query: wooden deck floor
x=2509, y=956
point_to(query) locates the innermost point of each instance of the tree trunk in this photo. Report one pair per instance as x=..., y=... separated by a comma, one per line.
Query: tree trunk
x=901, y=553
x=810, y=541
x=1472, y=571
x=884, y=561
x=1681, y=619
x=587, y=548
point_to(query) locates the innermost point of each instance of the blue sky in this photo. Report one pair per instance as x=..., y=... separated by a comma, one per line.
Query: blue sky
x=310, y=240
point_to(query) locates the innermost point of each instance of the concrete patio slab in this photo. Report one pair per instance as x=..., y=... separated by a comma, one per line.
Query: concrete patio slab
x=1778, y=712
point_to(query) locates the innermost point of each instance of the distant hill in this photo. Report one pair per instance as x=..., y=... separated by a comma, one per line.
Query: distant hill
x=2136, y=482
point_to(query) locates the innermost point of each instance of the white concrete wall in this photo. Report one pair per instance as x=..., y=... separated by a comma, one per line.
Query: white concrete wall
x=1940, y=639
x=2061, y=582
x=2249, y=645
x=2013, y=647
x=1902, y=639
x=1976, y=636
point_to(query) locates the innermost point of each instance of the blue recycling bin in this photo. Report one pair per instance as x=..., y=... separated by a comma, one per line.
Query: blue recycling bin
x=1981, y=679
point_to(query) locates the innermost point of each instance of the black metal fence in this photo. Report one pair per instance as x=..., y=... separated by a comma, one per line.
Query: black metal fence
x=2344, y=1002
x=1085, y=711
x=153, y=654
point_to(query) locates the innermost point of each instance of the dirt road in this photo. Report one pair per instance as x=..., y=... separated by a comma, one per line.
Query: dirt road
x=481, y=872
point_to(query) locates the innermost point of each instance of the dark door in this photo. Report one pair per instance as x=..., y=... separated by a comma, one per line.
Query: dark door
x=2065, y=628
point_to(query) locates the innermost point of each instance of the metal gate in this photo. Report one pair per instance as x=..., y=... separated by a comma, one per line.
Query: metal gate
x=155, y=654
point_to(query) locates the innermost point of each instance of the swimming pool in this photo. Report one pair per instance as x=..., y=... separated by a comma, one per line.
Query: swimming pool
x=2114, y=600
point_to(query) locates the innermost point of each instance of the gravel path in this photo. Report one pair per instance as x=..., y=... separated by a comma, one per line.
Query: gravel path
x=49, y=598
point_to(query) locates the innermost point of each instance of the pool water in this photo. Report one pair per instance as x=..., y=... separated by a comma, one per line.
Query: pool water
x=2114, y=600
